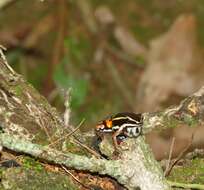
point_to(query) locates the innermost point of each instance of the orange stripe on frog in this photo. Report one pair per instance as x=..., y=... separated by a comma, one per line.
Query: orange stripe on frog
x=109, y=123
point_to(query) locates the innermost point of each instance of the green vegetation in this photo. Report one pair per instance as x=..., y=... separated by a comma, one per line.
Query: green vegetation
x=24, y=179
x=31, y=163
x=190, y=172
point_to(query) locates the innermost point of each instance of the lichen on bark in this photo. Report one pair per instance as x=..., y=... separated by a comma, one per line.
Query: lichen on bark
x=24, y=112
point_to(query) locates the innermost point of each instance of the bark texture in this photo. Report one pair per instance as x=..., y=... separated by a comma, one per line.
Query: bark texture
x=189, y=112
x=23, y=111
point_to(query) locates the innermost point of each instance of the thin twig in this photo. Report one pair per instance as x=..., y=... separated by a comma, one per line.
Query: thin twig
x=69, y=134
x=87, y=148
x=76, y=179
x=120, y=84
x=67, y=112
x=186, y=185
x=180, y=156
x=2, y=48
x=170, y=156
x=121, y=55
x=86, y=10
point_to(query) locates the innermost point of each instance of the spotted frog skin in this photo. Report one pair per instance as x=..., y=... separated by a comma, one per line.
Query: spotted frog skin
x=121, y=126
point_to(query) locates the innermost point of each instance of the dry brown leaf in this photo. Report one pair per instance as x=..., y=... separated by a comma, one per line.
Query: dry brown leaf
x=174, y=66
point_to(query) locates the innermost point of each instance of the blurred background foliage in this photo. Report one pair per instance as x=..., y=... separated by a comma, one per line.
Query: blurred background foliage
x=55, y=47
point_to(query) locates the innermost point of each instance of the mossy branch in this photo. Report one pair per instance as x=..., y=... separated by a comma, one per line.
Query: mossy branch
x=189, y=112
x=186, y=185
x=142, y=171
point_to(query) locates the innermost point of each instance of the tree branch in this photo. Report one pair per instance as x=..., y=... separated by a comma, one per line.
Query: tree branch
x=143, y=171
x=190, y=112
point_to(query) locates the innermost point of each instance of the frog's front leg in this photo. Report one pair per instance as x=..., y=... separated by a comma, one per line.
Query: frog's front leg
x=117, y=150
